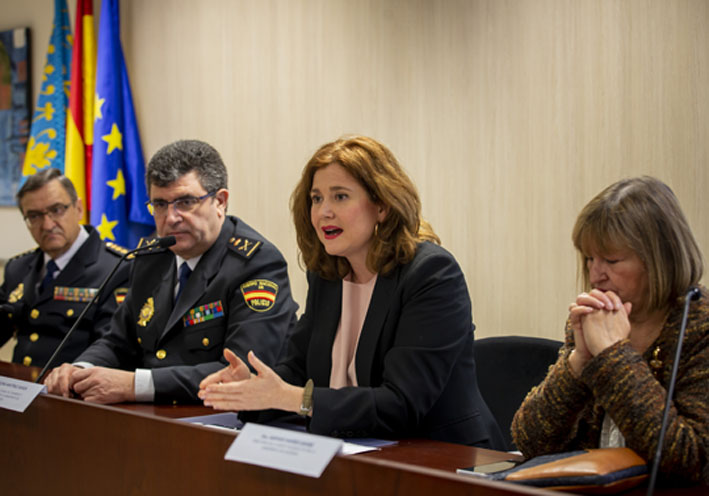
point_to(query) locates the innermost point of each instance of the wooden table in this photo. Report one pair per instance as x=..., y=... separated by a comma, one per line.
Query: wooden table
x=67, y=446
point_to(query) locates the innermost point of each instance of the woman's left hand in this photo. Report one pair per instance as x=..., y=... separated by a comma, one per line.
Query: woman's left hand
x=261, y=391
x=235, y=371
x=604, y=328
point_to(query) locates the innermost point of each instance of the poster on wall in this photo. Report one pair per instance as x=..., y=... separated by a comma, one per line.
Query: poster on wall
x=14, y=109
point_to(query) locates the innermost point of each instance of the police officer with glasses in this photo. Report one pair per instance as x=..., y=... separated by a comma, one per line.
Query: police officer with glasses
x=221, y=285
x=45, y=289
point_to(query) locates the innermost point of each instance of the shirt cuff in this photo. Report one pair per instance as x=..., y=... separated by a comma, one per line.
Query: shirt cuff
x=83, y=365
x=144, y=386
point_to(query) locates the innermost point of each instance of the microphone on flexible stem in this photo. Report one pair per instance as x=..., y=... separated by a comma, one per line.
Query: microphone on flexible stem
x=158, y=243
x=692, y=294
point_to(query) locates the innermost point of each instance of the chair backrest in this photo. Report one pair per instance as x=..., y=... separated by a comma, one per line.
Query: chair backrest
x=507, y=368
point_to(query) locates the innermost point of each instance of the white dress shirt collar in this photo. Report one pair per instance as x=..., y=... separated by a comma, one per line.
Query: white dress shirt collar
x=64, y=259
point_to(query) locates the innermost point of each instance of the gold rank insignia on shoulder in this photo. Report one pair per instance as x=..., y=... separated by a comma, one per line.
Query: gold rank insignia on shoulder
x=259, y=294
x=120, y=294
x=244, y=246
x=83, y=295
x=114, y=248
x=147, y=312
x=20, y=255
x=146, y=242
x=17, y=293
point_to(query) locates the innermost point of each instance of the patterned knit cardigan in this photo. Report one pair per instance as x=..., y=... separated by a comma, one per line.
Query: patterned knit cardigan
x=564, y=413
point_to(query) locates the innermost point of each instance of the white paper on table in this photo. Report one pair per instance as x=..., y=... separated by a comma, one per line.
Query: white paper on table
x=225, y=421
x=355, y=449
x=283, y=449
x=17, y=395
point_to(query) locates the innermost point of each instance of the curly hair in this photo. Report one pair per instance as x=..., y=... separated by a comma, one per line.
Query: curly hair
x=395, y=239
x=643, y=215
x=173, y=161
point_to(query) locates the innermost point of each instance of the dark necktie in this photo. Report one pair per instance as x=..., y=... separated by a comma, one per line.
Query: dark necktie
x=49, y=276
x=185, y=272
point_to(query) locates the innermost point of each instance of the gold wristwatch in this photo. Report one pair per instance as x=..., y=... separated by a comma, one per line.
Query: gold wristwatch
x=306, y=405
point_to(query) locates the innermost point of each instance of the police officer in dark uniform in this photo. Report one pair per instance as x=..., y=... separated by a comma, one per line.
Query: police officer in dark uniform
x=45, y=290
x=222, y=285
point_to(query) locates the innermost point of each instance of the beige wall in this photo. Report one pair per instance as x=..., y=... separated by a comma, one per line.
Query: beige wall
x=509, y=115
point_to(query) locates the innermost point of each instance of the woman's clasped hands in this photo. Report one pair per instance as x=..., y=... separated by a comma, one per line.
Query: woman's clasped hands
x=599, y=319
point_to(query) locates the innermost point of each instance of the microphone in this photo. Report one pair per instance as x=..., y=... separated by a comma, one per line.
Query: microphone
x=692, y=294
x=163, y=242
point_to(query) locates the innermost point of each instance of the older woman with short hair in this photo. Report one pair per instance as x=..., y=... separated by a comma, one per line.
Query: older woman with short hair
x=608, y=388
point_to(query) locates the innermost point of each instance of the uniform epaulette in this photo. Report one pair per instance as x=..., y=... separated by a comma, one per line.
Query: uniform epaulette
x=146, y=242
x=244, y=247
x=114, y=248
x=20, y=255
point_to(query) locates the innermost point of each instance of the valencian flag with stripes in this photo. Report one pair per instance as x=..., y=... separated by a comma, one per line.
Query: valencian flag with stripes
x=79, y=120
x=118, y=193
x=45, y=147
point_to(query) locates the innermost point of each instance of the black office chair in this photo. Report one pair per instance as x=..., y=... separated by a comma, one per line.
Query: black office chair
x=507, y=368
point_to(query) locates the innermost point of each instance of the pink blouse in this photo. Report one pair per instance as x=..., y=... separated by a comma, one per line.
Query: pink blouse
x=355, y=303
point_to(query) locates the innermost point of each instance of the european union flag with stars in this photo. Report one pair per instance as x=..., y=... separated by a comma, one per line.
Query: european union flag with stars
x=118, y=193
x=45, y=147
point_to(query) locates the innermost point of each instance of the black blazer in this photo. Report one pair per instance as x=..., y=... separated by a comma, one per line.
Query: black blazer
x=42, y=319
x=414, y=361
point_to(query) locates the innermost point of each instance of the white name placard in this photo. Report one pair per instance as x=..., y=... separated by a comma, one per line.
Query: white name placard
x=283, y=449
x=17, y=395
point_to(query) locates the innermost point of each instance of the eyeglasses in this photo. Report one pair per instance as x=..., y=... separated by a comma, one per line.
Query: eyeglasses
x=36, y=217
x=185, y=204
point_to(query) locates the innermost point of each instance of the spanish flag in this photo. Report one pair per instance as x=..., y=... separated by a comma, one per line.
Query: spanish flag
x=80, y=118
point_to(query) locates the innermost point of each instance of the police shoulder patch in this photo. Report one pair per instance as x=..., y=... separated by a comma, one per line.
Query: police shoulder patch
x=120, y=294
x=115, y=248
x=244, y=247
x=259, y=294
